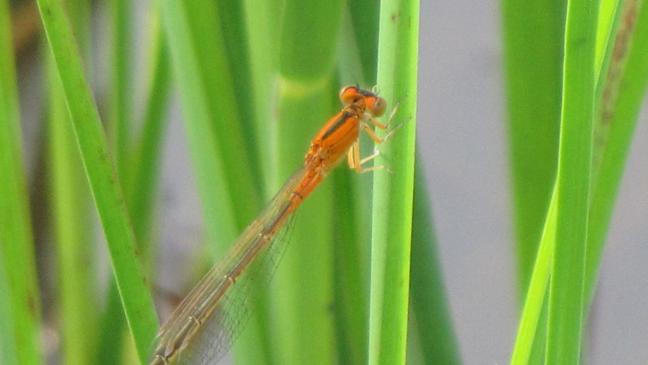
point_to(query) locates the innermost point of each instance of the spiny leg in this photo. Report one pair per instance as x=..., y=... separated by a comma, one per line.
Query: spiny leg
x=375, y=154
x=371, y=133
x=356, y=162
x=376, y=122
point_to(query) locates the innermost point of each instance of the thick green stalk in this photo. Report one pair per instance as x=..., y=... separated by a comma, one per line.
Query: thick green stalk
x=392, y=200
x=304, y=331
x=351, y=262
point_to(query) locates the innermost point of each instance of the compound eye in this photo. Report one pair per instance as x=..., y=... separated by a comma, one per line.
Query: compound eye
x=349, y=95
x=376, y=106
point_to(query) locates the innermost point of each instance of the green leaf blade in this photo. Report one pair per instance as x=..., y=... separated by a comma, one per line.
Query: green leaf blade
x=566, y=305
x=106, y=190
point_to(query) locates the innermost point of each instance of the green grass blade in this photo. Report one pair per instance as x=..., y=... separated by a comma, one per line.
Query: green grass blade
x=623, y=111
x=254, y=346
x=612, y=63
x=71, y=211
x=537, y=288
x=263, y=43
x=148, y=147
x=573, y=184
x=72, y=216
x=606, y=29
x=221, y=152
x=230, y=196
x=111, y=330
x=135, y=296
x=392, y=209
x=121, y=90
x=364, y=16
x=16, y=242
x=219, y=80
x=141, y=184
x=429, y=302
x=622, y=121
x=235, y=37
x=532, y=39
x=351, y=71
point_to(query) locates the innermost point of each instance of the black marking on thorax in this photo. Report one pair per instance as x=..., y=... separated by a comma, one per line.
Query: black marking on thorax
x=338, y=123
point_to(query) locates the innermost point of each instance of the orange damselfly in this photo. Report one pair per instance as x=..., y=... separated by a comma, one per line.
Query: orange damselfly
x=201, y=328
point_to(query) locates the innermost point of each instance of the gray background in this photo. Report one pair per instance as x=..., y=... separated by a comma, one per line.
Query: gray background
x=462, y=136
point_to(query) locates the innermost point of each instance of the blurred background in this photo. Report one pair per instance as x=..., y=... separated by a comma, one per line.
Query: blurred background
x=462, y=136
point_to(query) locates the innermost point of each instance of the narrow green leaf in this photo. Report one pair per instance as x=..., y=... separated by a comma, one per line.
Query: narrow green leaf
x=537, y=288
x=16, y=242
x=364, y=16
x=135, y=296
x=573, y=185
x=607, y=176
x=392, y=202
x=612, y=63
x=145, y=163
x=263, y=43
x=72, y=216
x=621, y=119
x=606, y=29
x=235, y=38
x=71, y=210
x=230, y=195
x=532, y=52
x=256, y=96
x=617, y=118
x=121, y=91
x=141, y=184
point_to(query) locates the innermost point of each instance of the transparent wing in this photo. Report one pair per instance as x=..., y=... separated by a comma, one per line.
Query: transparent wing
x=204, y=325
